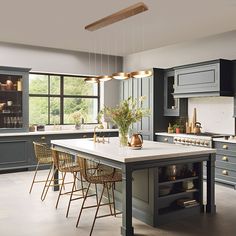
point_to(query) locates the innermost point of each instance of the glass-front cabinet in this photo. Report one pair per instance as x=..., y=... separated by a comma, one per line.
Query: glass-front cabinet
x=13, y=99
x=173, y=106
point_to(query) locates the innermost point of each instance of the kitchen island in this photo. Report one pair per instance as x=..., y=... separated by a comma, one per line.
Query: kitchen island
x=155, y=156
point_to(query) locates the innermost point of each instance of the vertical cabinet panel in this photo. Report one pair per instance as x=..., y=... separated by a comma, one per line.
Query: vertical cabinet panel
x=137, y=88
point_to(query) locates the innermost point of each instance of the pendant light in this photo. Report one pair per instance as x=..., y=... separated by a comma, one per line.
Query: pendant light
x=121, y=75
x=104, y=78
x=91, y=80
x=141, y=74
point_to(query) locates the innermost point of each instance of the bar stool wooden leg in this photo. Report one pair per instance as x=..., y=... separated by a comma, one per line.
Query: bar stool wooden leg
x=109, y=199
x=45, y=185
x=35, y=173
x=46, y=191
x=82, y=206
x=71, y=194
x=59, y=195
x=113, y=196
x=99, y=203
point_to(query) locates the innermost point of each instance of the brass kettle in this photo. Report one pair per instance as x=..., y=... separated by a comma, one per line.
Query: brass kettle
x=136, y=140
x=197, y=128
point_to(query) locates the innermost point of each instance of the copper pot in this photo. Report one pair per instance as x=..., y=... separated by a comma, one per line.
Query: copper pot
x=136, y=140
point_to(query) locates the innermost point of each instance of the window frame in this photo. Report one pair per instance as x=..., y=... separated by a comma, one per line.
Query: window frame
x=61, y=95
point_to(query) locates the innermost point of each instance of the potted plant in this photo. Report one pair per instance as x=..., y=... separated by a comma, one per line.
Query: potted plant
x=176, y=128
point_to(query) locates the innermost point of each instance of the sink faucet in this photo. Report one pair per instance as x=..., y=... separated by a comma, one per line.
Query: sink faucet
x=94, y=134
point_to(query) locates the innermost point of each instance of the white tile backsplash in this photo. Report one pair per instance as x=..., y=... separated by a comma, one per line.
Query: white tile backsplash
x=214, y=113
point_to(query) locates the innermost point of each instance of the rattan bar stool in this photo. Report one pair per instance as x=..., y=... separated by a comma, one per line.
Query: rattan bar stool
x=96, y=174
x=66, y=163
x=43, y=155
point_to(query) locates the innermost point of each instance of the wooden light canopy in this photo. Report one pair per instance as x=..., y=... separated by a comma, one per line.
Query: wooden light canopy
x=118, y=16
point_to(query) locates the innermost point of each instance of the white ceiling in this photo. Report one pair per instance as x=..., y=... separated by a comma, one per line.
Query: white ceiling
x=60, y=24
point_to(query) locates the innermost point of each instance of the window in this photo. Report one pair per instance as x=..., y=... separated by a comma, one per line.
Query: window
x=54, y=98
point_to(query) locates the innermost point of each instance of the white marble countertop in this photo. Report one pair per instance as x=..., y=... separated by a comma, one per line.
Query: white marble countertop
x=231, y=140
x=151, y=150
x=71, y=131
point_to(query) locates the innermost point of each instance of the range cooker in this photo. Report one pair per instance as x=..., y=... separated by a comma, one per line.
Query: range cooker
x=201, y=140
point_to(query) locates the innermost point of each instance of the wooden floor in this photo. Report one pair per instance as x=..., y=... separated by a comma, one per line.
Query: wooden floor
x=22, y=214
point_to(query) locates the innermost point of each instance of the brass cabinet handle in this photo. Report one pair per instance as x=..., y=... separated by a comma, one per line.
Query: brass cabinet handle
x=166, y=139
x=43, y=138
x=84, y=136
x=225, y=146
x=225, y=172
x=225, y=158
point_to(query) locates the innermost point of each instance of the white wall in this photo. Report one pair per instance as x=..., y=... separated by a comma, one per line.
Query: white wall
x=66, y=62
x=214, y=113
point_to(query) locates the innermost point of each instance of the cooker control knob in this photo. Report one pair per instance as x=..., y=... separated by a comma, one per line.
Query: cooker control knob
x=206, y=143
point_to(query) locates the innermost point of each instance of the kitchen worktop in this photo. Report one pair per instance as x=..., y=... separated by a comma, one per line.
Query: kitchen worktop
x=71, y=131
x=150, y=151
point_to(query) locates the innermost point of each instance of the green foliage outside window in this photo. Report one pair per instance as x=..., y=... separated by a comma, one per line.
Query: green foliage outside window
x=47, y=98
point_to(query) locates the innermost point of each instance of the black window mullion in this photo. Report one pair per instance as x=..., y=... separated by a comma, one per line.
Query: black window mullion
x=62, y=100
x=49, y=107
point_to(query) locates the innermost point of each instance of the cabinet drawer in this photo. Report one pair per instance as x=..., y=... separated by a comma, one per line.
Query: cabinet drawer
x=166, y=139
x=226, y=158
x=224, y=148
x=225, y=172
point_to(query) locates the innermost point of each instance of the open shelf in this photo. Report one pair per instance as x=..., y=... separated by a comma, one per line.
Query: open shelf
x=179, y=194
x=177, y=181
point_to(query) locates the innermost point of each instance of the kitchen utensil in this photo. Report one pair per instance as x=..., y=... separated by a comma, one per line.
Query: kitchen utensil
x=136, y=140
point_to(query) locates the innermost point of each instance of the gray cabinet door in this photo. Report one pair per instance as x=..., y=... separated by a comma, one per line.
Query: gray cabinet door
x=14, y=153
x=146, y=90
x=197, y=80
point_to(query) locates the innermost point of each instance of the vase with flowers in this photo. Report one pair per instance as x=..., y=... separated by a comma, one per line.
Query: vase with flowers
x=77, y=117
x=128, y=112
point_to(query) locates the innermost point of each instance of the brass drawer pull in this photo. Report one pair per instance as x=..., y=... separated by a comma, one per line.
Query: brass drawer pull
x=43, y=138
x=224, y=158
x=166, y=139
x=225, y=172
x=225, y=146
x=84, y=136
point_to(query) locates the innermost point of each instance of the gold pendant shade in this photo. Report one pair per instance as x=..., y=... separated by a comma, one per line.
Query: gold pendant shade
x=91, y=80
x=121, y=76
x=104, y=78
x=141, y=74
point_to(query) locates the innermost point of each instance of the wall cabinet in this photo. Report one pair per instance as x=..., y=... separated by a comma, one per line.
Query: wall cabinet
x=13, y=99
x=173, y=106
x=213, y=78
